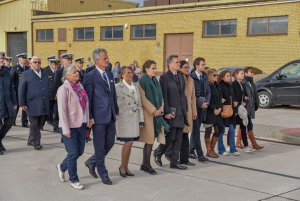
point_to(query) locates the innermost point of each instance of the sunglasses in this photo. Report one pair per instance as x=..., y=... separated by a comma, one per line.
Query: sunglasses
x=215, y=75
x=37, y=62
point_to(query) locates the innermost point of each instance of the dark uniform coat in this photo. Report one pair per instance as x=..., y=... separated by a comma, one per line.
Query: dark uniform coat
x=7, y=95
x=15, y=73
x=51, y=82
x=33, y=93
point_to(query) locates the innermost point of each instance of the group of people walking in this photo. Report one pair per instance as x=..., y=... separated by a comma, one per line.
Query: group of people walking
x=168, y=109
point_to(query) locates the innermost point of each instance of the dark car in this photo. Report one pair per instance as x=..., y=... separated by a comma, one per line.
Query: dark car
x=282, y=87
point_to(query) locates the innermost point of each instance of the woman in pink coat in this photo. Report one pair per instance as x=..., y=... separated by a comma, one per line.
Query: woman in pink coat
x=73, y=112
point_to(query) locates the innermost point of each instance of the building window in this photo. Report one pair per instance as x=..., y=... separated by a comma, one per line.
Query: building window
x=268, y=25
x=86, y=33
x=62, y=34
x=146, y=31
x=112, y=33
x=219, y=28
x=44, y=35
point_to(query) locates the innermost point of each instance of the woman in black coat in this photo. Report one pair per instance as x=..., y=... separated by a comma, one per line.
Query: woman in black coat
x=213, y=118
x=240, y=98
x=224, y=81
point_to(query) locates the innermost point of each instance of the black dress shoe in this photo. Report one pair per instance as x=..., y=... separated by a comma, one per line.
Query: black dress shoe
x=38, y=147
x=149, y=170
x=178, y=166
x=130, y=174
x=1, y=152
x=91, y=170
x=157, y=159
x=188, y=163
x=106, y=180
x=193, y=156
x=25, y=125
x=30, y=144
x=14, y=124
x=122, y=174
x=2, y=147
x=56, y=130
x=202, y=159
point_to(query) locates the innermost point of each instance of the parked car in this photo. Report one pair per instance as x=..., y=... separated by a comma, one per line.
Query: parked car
x=282, y=87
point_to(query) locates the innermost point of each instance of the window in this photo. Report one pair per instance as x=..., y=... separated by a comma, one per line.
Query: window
x=268, y=25
x=219, y=28
x=86, y=33
x=146, y=31
x=62, y=34
x=291, y=71
x=44, y=35
x=112, y=33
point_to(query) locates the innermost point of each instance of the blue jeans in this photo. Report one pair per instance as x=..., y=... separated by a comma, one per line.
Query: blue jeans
x=74, y=147
x=221, y=147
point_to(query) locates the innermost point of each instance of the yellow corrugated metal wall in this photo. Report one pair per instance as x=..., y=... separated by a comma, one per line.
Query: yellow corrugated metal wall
x=73, y=6
x=15, y=17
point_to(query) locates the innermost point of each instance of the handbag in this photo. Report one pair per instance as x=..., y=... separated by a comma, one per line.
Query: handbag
x=227, y=110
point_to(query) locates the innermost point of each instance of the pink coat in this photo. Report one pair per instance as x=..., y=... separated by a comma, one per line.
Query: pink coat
x=69, y=109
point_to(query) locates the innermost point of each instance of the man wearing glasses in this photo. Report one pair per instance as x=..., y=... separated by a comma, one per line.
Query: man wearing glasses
x=34, y=99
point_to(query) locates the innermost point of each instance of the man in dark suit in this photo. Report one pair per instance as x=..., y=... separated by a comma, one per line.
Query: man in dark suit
x=8, y=101
x=79, y=65
x=15, y=73
x=175, y=109
x=34, y=99
x=202, y=92
x=100, y=88
x=52, y=118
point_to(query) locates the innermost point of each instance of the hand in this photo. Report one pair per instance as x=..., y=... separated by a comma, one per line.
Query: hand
x=235, y=104
x=15, y=107
x=156, y=113
x=24, y=108
x=194, y=117
x=91, y=123
x=223, y=100
x=168, y=116
x=68, y=134
x=116, y=117
x=204, y=105
x=246, y=98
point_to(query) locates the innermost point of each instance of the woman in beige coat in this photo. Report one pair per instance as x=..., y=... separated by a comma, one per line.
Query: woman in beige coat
x=130, y=118
x=191, y=114
x=152, y=102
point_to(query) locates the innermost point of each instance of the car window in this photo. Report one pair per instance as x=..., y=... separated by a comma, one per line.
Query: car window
x=291, y=71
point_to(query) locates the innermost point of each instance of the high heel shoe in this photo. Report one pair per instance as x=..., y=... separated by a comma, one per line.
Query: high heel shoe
x=122, y=174
x=150, y=170
x=128, y=173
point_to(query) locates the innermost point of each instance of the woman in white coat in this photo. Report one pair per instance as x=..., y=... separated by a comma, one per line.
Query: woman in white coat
x=130, y=118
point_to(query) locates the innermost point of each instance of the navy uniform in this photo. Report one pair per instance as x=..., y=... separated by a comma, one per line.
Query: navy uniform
x=7, y=102
x=50, y=70
x=7, y=62
x=59, y=73
x=15, y=74
x=79, y=65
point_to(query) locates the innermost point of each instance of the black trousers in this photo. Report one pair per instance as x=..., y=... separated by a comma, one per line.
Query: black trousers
x=36, y=124
x=5, y=125
x=184, y=151
x=53, y=114
x=24, y=118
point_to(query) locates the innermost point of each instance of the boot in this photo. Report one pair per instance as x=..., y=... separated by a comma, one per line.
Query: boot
x=253, y=141
x=208, y=147
x=239, y=140
x=214, y=141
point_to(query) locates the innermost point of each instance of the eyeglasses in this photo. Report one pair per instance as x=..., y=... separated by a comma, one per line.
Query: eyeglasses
x=215, y=75
x=37, y=62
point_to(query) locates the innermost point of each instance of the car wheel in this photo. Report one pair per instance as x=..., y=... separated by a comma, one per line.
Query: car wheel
x=265, y=99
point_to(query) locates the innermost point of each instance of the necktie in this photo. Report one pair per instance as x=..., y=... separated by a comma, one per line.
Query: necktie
x=105, y=79
x=200, y=77
x=176, y=77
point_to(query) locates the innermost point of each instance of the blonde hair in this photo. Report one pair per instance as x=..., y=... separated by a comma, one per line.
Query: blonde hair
x=210, y=72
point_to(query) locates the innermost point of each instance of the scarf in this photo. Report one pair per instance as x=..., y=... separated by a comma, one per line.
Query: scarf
x=153, y=93
x=81, y=93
